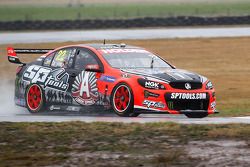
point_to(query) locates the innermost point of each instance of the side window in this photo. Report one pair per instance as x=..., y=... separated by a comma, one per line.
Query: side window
x=64, y=58
x=48, y=59
x=84, y=58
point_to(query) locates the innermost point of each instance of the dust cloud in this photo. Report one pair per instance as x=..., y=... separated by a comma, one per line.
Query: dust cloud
x=7, y=104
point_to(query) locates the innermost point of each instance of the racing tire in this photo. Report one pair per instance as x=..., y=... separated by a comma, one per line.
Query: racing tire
x=34, y=98
x=122, y=101
x=197, y=115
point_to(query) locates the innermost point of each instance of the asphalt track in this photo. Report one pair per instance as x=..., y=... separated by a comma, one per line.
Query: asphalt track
x=11, y=113
x=24, y=116
x=119, y=34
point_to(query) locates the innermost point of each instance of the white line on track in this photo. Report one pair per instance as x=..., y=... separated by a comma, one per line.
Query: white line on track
x=119, y=34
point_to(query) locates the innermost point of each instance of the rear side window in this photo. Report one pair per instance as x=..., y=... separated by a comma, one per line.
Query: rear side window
x=48, y=59
x=64, y=58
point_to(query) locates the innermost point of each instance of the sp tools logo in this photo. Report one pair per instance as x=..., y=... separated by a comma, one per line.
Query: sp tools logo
x=55, y=79
x=188, y=96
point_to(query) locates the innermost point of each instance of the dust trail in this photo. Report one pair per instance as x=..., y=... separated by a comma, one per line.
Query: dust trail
x=7, y=105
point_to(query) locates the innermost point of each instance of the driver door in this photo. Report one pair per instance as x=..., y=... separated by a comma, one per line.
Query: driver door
x=85, y=91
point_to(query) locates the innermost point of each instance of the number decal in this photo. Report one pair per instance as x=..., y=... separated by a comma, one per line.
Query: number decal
x=61, y=55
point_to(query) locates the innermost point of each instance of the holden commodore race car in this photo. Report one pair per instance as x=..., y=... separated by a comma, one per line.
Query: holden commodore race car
x=126, y=79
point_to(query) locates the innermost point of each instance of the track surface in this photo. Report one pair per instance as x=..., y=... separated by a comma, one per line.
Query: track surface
x=86, y=35
x=23, y=116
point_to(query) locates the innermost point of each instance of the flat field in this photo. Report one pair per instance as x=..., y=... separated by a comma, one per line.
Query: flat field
x=225, y=61
x=72, y=10
x=124, y=145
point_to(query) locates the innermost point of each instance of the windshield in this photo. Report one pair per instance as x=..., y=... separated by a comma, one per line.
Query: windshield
x=133, y=58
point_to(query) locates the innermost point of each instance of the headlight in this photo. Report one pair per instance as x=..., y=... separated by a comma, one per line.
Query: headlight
x=150, y=84
x=209, y=85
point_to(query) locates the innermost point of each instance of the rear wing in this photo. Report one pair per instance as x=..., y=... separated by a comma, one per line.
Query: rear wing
x=12, y=53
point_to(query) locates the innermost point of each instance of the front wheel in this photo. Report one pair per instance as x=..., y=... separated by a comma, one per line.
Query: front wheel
x=34, y=98
x=197, y=115
x=122, y=101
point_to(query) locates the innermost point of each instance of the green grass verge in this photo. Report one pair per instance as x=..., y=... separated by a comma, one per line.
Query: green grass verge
x=94, y=11
x=233, y=112
x=153, y=144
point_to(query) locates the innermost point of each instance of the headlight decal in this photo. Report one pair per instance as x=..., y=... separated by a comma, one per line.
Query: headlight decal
x=209, y=85
x=213, y=105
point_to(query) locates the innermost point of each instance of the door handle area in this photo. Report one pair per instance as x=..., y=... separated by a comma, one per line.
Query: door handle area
x=73, y=75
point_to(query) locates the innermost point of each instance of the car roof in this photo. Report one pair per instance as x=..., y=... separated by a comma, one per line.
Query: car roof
x=99, y=46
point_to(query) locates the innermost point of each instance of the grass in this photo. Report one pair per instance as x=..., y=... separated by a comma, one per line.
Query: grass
x=152, y=144
x=111, y=11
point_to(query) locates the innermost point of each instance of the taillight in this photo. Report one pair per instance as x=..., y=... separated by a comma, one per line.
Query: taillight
x=18, y=69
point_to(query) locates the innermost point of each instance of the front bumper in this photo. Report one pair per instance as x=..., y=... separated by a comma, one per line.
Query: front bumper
x=163, y=104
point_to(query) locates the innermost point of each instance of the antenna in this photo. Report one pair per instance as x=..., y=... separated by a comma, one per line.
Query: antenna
x=104, y=41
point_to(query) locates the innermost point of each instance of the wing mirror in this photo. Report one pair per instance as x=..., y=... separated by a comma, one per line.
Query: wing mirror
x=93, y=68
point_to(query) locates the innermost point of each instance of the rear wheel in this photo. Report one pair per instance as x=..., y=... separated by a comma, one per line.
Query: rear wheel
x=122, y=101
x=34, y=98
x=197, y=115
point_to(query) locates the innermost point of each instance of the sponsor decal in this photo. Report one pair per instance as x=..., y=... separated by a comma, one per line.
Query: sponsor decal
x=153, y=104
x=125, y=75
x=150, y=84
x=150, y=94
x=109, y=51
x=56, y=96
x=12, y=58
x=51, y=108
x=58, y=80
x=188, y=86
x=85, y=91
x=54, y=79
x=106, y=78
x=73, y=108
x=213, y=105
x=209, y=85
x=36, y=74
x=188, y=96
